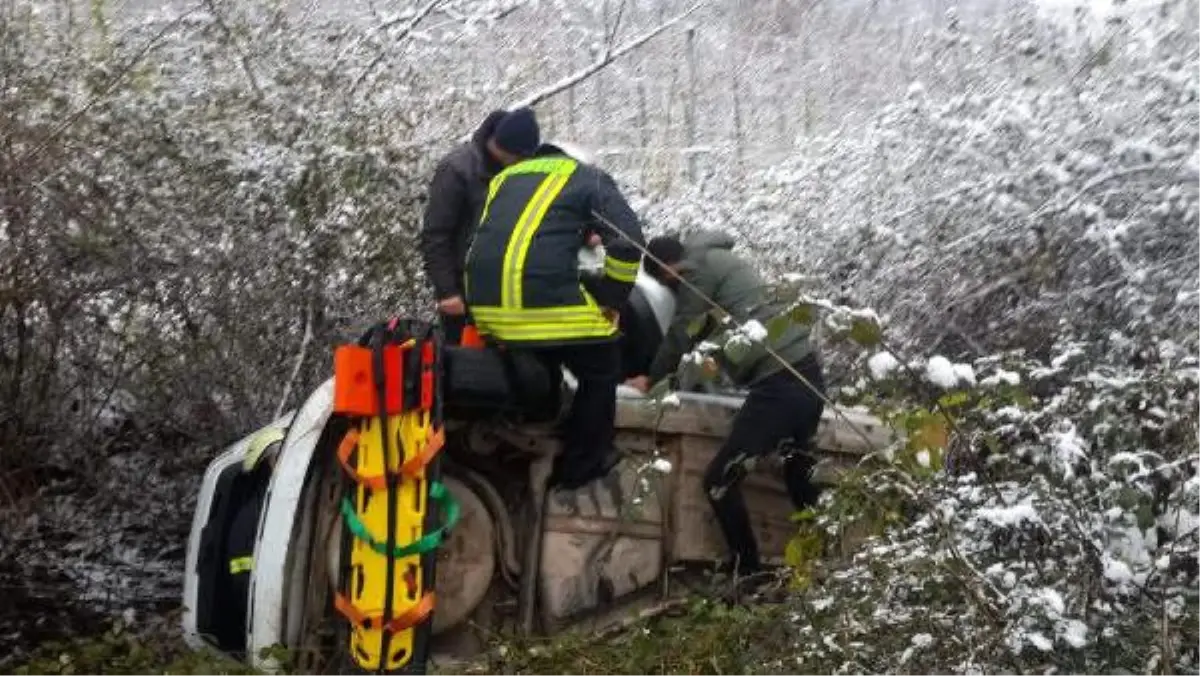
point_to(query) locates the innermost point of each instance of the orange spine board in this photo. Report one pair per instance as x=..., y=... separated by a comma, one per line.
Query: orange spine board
x=354, y=386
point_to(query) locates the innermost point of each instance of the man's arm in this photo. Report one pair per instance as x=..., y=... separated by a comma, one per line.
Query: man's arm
x=439, y=231
x=677, y=342
x=621, y=233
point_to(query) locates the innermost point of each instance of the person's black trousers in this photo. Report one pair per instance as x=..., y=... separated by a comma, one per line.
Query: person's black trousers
x=452, y=327
x=779, y=407
x=588, y=430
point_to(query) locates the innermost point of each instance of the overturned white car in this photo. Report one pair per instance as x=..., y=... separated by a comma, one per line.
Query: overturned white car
x=519, y=557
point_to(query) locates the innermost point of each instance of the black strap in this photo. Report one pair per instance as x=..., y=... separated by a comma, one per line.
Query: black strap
x=379, y=336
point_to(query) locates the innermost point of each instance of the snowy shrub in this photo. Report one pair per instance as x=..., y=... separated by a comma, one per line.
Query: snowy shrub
x=1065, y=538
x=1030, y=514
x=196, y=208
x=1002, y=261
x=1025, y=199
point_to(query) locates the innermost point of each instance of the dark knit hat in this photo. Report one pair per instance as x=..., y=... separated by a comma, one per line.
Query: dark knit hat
x=667, y=249
x=518, y=132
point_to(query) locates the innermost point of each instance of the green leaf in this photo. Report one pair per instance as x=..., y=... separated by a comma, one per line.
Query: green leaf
x=1145, y=516
x=806, y=514
x=953, y=399
x=804, y=313
x=777, y=326
x=865, y=331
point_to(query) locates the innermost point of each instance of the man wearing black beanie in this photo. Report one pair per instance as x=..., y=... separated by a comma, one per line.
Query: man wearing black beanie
x=456, y=197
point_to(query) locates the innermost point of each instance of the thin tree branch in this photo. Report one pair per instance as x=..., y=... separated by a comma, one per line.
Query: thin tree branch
x=122, y=73
x=611, y=36
x=304, y=343
x=243, y=57
x=609, y=56
x=423, y=12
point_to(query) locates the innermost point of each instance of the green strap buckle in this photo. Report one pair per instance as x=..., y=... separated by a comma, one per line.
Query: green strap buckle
x=426, y=543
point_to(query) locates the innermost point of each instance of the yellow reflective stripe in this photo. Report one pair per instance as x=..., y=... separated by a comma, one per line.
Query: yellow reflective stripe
x=622, y=271
x=589, y=306
x=509, y=270
x=537, y=313
x=512, y=279
x=542, y=165
x=599, y=328
x=533, y=324
x=518, y=290
x=493, y=188
x=517, y=320
x=241, y=564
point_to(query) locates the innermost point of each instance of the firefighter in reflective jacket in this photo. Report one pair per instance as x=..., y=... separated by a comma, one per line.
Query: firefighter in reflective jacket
x=525, y=291
x=258, y=463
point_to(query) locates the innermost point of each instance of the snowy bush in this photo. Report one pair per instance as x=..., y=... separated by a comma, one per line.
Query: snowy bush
x=1002, y=261
x=1065, y=537
x=1029, y=197
x=193, y=211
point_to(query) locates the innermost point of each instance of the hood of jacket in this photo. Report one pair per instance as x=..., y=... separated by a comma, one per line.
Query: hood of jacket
x=480, y=138
x=551, y=149
x=699, y=243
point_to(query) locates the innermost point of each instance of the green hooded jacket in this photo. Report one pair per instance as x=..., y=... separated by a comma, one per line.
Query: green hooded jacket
x=710, y=265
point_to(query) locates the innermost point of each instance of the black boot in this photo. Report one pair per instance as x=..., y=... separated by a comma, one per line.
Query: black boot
x=571, y=478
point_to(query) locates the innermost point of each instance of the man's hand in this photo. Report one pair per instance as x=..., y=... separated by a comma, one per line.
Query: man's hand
x=612, y=316
x=453, y=306
x=639, y=383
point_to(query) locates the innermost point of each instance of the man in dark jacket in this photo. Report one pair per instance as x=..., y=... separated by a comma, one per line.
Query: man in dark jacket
x=778, y=407
x=456, y=197
x=525, y=291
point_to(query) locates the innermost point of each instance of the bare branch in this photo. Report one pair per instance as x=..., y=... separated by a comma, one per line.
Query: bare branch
x=243, y=57
x=300, y=357
x=423, y=12
x=122, y=73
x=586, y=72
x=609, y=57
x=611, y=36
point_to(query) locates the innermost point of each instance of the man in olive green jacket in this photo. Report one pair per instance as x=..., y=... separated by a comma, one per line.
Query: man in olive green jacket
x=779, y=406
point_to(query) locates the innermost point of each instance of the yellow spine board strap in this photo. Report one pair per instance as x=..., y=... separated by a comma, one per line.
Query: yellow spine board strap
x=393, y=562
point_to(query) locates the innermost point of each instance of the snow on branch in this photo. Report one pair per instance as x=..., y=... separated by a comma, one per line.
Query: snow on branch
x=416, y=19
x=608, y=57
